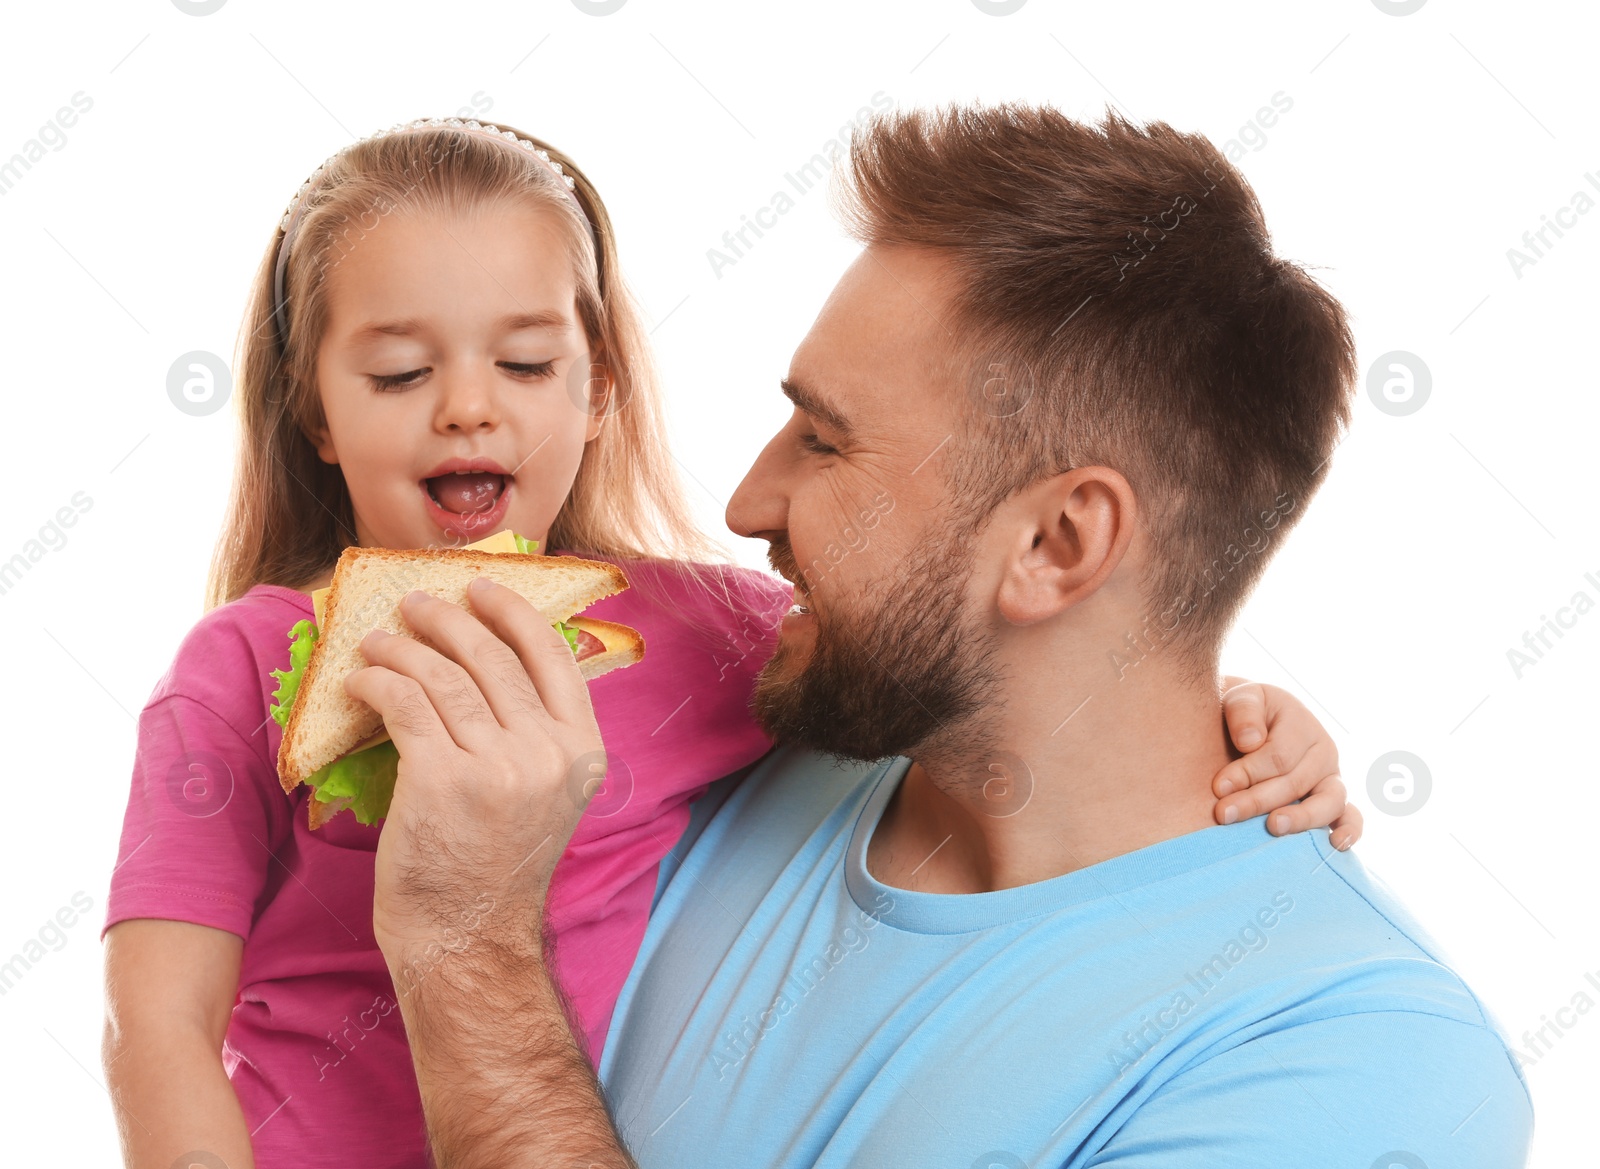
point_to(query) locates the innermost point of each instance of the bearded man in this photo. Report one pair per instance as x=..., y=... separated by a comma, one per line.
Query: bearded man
x=956, y=918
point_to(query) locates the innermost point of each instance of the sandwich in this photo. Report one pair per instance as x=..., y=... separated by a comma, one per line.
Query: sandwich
x=336, y=744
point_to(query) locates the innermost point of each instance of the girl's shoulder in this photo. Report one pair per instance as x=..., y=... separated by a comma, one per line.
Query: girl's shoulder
x=721, y=596
x=681, y=717
x=205, y=780
x=714, y=592
x=224, y=661
x=720, y=610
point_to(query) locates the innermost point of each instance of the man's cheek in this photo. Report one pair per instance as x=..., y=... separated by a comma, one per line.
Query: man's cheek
x=813, y=575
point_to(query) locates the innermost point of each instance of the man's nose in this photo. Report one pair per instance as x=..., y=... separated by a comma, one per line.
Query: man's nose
x=760, y=503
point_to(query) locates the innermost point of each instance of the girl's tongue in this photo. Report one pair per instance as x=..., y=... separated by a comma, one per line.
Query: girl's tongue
x=463, y=493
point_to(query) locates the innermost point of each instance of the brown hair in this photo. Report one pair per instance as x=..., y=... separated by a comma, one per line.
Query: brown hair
x=1115, y=302
x=289, y=514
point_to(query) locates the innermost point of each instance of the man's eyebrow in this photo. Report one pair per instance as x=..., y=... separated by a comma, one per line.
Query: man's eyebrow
x=809, y=403
x=543, y=319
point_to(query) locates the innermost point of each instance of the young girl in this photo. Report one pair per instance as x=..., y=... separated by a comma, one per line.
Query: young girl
x=439, y=347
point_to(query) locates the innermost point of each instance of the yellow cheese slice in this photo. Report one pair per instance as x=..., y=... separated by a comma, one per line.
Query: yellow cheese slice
x=502, y=541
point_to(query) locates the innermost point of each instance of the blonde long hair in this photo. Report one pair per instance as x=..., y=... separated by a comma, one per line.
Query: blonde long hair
x=289, y=514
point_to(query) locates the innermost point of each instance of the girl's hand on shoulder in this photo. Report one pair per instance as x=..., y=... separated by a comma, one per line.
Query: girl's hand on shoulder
x=1288, y=757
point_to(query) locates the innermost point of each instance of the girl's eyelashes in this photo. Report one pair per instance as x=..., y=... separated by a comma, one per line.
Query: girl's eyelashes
x=396, y=381
x=527, y=369
x=390, y=382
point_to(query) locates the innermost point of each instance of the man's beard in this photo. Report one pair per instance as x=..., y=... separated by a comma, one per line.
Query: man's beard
x=903, y=677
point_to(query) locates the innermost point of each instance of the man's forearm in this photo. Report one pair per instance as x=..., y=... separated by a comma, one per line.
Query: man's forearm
x=503, y=1081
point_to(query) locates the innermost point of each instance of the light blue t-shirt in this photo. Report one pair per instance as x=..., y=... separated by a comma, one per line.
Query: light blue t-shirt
x=1221, y=1000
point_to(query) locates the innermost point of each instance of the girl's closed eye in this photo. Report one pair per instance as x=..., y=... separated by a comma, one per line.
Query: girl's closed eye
x=538, y=369
x=389, y=382
x=397, y=381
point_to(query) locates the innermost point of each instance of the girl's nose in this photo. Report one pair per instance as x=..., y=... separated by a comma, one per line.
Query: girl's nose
x=467, y=404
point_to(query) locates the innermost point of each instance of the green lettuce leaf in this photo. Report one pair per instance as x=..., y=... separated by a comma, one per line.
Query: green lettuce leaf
x=524, y=544
x=362, y=782
x=302, y=640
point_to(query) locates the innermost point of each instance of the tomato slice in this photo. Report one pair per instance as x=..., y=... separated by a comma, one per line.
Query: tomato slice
x=589, y=645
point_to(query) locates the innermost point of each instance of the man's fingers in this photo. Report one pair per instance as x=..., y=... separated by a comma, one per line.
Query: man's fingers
x=492, y=665
x=1245, y=708
x=408, y=716
x=457, y=702
x=544, y=653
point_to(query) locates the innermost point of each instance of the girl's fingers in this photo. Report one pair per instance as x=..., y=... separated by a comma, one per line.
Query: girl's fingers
x=457, y=702
x=1321, y=796
x=1346, y=830
x=492, y=665
x=1319, y=809
x=1270, y=761
x=545, y=655
x=1245, y=709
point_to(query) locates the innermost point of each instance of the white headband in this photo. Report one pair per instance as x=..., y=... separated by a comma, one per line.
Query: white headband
x=290, y=223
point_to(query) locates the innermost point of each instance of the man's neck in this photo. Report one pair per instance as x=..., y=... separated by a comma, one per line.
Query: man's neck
x=1074, y=778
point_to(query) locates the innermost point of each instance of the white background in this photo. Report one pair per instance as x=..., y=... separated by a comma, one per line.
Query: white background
x=1418, y=150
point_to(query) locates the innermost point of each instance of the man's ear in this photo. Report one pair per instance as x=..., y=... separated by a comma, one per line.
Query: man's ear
x=1070, y=533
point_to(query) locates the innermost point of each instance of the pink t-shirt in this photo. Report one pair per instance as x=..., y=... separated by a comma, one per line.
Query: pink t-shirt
x=315, y=1048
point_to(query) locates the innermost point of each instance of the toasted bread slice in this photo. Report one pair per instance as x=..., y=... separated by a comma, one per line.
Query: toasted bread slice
x=624, y=646
x=319, y=813
x=368, y=585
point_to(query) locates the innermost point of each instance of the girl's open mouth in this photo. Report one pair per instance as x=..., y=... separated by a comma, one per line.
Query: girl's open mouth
x=467, y=503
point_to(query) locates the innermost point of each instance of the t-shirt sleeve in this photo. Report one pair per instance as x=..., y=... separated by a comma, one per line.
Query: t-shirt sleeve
x=205, y=817
x=1398, y=1089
